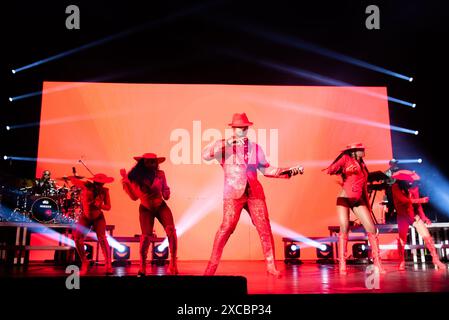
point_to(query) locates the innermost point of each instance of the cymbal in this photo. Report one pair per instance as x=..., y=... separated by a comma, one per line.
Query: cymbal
x=77, y=177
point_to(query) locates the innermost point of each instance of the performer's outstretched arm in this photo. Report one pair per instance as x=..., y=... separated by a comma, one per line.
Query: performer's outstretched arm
x=273, y=172
x=127, y=186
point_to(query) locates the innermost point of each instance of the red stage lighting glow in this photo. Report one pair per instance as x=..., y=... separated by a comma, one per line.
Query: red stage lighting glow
x=111, y=123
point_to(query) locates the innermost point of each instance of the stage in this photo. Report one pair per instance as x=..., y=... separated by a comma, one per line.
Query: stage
x=180, y=113
x=306, y=278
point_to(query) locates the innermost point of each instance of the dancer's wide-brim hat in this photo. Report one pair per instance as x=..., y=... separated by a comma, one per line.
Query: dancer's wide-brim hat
x=406, y=175
x=354, y=146
x=101, y=178
x=150, y=156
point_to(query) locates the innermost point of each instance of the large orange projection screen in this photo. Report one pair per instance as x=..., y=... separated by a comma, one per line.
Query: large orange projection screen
x=106, y=124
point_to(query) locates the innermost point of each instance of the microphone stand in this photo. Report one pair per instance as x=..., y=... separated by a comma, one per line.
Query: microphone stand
x=81, y=161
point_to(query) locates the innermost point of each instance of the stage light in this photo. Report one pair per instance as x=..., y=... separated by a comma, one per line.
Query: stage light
x=121, y=248
x=292, y=253
x=13, y=71
x=437, y=187
x=414, y=105
x=89, y=251
x=121, y=255
x=297, y=107
x=288, y=233
x=402, y=161
x=8, y=128
x=160, y=255
x=186, y=11
x=318, y=78
x=325, y=252
x=10, y=99
x=360, y=251
x=316, y=49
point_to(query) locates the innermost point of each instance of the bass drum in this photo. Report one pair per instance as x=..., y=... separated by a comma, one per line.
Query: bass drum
x=44, y=210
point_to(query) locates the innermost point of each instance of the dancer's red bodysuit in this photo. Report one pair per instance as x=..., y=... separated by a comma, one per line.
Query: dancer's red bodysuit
x=407, y=208
x=354, y=196
x=410, y=212
x=242, y=190
x=152, y=205
x=94, y=201
x=355, y=178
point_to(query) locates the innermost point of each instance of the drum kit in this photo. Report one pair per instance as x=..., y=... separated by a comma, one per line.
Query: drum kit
x=56, y=204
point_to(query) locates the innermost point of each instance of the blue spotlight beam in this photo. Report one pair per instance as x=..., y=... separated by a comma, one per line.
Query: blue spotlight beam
x=332, y=115
x=93, y=163
x=122, y=34
x=59, y=88
x=286, y=232
x=49, y=233
x=84, y=82
x=436, y=185
x=330, y=81
x=307, y=46
x=312, y=76
x=409, y=160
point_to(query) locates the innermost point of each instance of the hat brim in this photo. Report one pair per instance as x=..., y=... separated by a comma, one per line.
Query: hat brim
x=159, y=159
x=406, y=177
x=236, y=125
x=355, y=148
x=105, y=180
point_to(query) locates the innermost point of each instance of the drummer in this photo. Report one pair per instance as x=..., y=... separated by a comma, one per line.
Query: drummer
x=44, y=184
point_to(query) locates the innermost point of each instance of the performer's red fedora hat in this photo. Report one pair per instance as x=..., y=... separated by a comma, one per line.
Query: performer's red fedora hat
x=150, y=156
x=406, y=175
x=353, y=146
x=101, y=178
x=240, y=120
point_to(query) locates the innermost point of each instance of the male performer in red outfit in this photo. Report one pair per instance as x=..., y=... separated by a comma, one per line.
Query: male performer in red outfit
x=95, y=198
x=410, y=212
x=240, y=159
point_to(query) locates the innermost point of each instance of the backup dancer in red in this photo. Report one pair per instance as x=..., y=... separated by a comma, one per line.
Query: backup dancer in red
x=354, y=196
x=146, y=182
x=240, y=159
x=94, y=198
x=410, y=212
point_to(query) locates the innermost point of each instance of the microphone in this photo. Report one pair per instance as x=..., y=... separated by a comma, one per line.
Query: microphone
x=289, y=171
x=74, y=171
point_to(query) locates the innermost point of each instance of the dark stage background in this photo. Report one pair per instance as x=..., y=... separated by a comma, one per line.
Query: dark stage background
x=209, y=42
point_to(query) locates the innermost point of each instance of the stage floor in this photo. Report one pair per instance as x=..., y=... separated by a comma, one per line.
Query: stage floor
x=307, y=278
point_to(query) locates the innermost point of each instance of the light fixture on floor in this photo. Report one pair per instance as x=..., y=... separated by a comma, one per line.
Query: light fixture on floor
x=121, y=255
x=89, y=251
x=292, y=253
x=325, y=253
x=359, y=253
x=160, y=255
